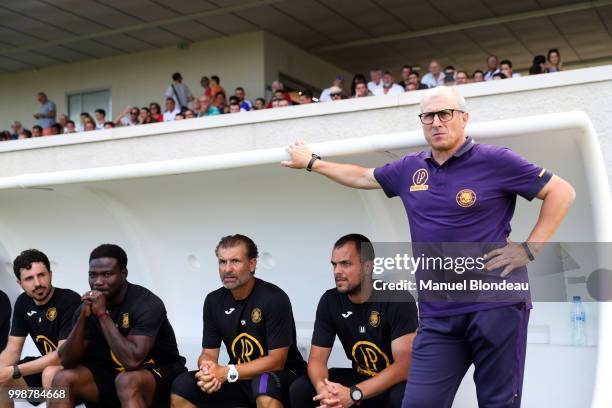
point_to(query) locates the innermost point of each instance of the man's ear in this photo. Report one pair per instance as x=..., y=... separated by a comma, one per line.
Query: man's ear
x=368, y=267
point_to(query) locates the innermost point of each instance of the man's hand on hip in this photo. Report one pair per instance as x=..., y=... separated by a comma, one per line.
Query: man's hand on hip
x=510, y=257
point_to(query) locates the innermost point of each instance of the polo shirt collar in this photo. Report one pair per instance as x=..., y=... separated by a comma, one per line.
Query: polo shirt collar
x=466, y=147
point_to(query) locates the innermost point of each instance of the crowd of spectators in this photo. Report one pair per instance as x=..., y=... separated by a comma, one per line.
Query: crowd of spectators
x=180, y=103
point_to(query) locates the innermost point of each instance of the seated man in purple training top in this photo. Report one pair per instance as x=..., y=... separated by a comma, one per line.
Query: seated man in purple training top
x=460, y=191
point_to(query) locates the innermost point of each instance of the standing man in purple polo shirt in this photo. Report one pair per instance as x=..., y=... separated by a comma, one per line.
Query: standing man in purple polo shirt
x=458, y=191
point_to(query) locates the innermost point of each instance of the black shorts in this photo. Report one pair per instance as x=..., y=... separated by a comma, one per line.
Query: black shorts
x=242, y=393
x=105, y=376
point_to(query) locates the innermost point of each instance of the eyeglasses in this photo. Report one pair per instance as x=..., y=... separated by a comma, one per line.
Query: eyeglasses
x=445, y=115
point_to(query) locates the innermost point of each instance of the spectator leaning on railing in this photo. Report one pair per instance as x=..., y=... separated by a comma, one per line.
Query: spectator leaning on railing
x=389, y=86
x=63, y=119
x=492, y=67
x=406, y=71
x=461, y=77
x=506, y=68
x=538, y=66
x=554, y=60
x=361, y=90
x=435, y=76
x=260, y=103
x=156, y=112
x=338, y=82
x=70, y=127
x=171, y=110
x=100, y=118
x=37, y=131
x=306, y=97
x=375, y=79
x=245, y=104
x=415, y=78
x=205, y=108
x=129, y=116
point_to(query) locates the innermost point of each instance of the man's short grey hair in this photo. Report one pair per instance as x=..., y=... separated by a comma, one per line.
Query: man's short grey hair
x=449, y=91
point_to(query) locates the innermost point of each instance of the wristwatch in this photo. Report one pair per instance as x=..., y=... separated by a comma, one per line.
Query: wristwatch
x=311, y=162
x=232, y=374
x=356, y=394
x=16, y=372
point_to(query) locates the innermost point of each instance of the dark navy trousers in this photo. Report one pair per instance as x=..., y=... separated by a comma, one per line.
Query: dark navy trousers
x=493, y=340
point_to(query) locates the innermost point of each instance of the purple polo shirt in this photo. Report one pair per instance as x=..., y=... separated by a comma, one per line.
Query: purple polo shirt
x=470, y=198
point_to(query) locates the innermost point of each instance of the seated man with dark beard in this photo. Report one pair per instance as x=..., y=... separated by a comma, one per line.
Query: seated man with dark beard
x=376, y=337
x=122, y=349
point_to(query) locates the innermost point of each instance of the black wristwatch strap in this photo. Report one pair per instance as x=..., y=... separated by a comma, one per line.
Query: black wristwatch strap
x=528, y=251
x=16, y=372
x=311, y=162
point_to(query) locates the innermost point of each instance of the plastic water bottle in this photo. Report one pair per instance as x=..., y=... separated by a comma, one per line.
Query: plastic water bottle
x=578, y=322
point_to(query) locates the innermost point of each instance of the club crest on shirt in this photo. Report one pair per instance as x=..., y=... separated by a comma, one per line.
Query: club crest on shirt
x=419, y=178
x=51, y=314
x=125, y=320
x=256, y=315
x=374, y=318
x=466, y=198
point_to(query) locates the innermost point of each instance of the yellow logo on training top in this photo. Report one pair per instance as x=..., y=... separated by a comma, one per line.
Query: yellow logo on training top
x=374, y=318
x=47, y=344
x=125, y=320
x=246, y=348
x=466, y=198
x=370, y=359
x=419, y=178
x=51, y=314
x=256, y=315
